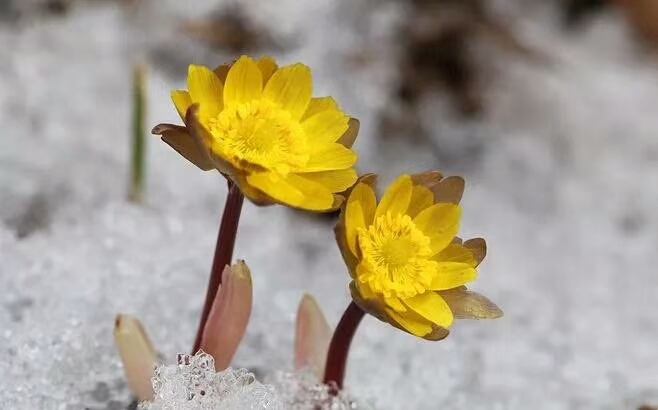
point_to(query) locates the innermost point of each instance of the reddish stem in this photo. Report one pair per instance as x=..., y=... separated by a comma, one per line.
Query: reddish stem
x=334, y=373
x=228, y=230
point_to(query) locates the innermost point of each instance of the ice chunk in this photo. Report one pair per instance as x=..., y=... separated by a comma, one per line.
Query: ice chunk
x=194, y=384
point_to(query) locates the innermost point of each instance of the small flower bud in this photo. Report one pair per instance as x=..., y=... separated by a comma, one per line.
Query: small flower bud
x=229, y=315
x=137, y=354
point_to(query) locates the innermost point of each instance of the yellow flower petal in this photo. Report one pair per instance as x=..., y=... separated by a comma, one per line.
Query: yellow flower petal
x=294, y=191
x=203, y=138
x=456, y=253
x=267, y=67
x=432, y=307
x=244, y=82
x=350, y=259
x=317, y=196
x=397, y=197
x=331, y=157
x=440, y=222
x=325, y=127
x=318, y=105
x=182, y=101
x=354, y=219
x=453, y=274
x=335, y=181
x=206, y=90
x=254, y=194
x=421, y=198
x=278, y=189
x=364, y=290
x=291, y=88
x=359, y=212
x=414, y=325
x=395, y=303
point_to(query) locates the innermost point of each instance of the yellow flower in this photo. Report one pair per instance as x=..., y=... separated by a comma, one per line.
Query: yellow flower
x=407, y=265
x=258, y=124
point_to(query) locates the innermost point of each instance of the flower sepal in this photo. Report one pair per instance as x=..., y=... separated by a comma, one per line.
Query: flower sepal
x=466, y=304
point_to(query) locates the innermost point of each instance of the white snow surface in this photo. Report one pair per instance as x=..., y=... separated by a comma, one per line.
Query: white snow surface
x=563, y=183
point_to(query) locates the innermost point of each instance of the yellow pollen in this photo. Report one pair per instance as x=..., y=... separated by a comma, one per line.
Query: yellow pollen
x=395, y=257
x=396, y=252
x=260, y=133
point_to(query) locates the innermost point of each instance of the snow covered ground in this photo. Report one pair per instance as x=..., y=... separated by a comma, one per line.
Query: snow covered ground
x=563, y=183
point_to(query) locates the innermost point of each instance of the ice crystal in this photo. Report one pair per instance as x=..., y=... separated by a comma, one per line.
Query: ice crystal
x=194, y=384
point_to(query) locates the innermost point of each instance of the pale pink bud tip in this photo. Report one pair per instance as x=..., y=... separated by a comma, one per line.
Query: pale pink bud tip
x=312, y=337
x=229, y=315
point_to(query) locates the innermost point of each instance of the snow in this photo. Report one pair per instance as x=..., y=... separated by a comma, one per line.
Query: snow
x=192, y=383
x=562, y=181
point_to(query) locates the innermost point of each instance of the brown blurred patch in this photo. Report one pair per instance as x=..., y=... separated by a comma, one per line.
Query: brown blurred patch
x=643, y=17
x=15, y=10
x=230, y=30
x=436, y=41
x=576, y=12
x=439, y=41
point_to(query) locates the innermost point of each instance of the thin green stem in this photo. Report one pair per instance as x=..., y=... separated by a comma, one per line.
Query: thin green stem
x=339, y=347
x=138, y=164
x=228, y=230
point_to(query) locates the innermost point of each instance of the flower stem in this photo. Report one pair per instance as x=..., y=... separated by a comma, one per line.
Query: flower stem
x=339, y=346
x=138, y=163
x=228, y=230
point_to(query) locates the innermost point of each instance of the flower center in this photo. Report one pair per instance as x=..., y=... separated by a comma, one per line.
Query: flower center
x=259, y=133
x=395, y=257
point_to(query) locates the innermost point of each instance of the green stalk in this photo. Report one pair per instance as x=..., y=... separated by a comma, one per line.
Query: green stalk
x=138, y=166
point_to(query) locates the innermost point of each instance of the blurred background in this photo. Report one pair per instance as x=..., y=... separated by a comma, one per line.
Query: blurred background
x=548, y=108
